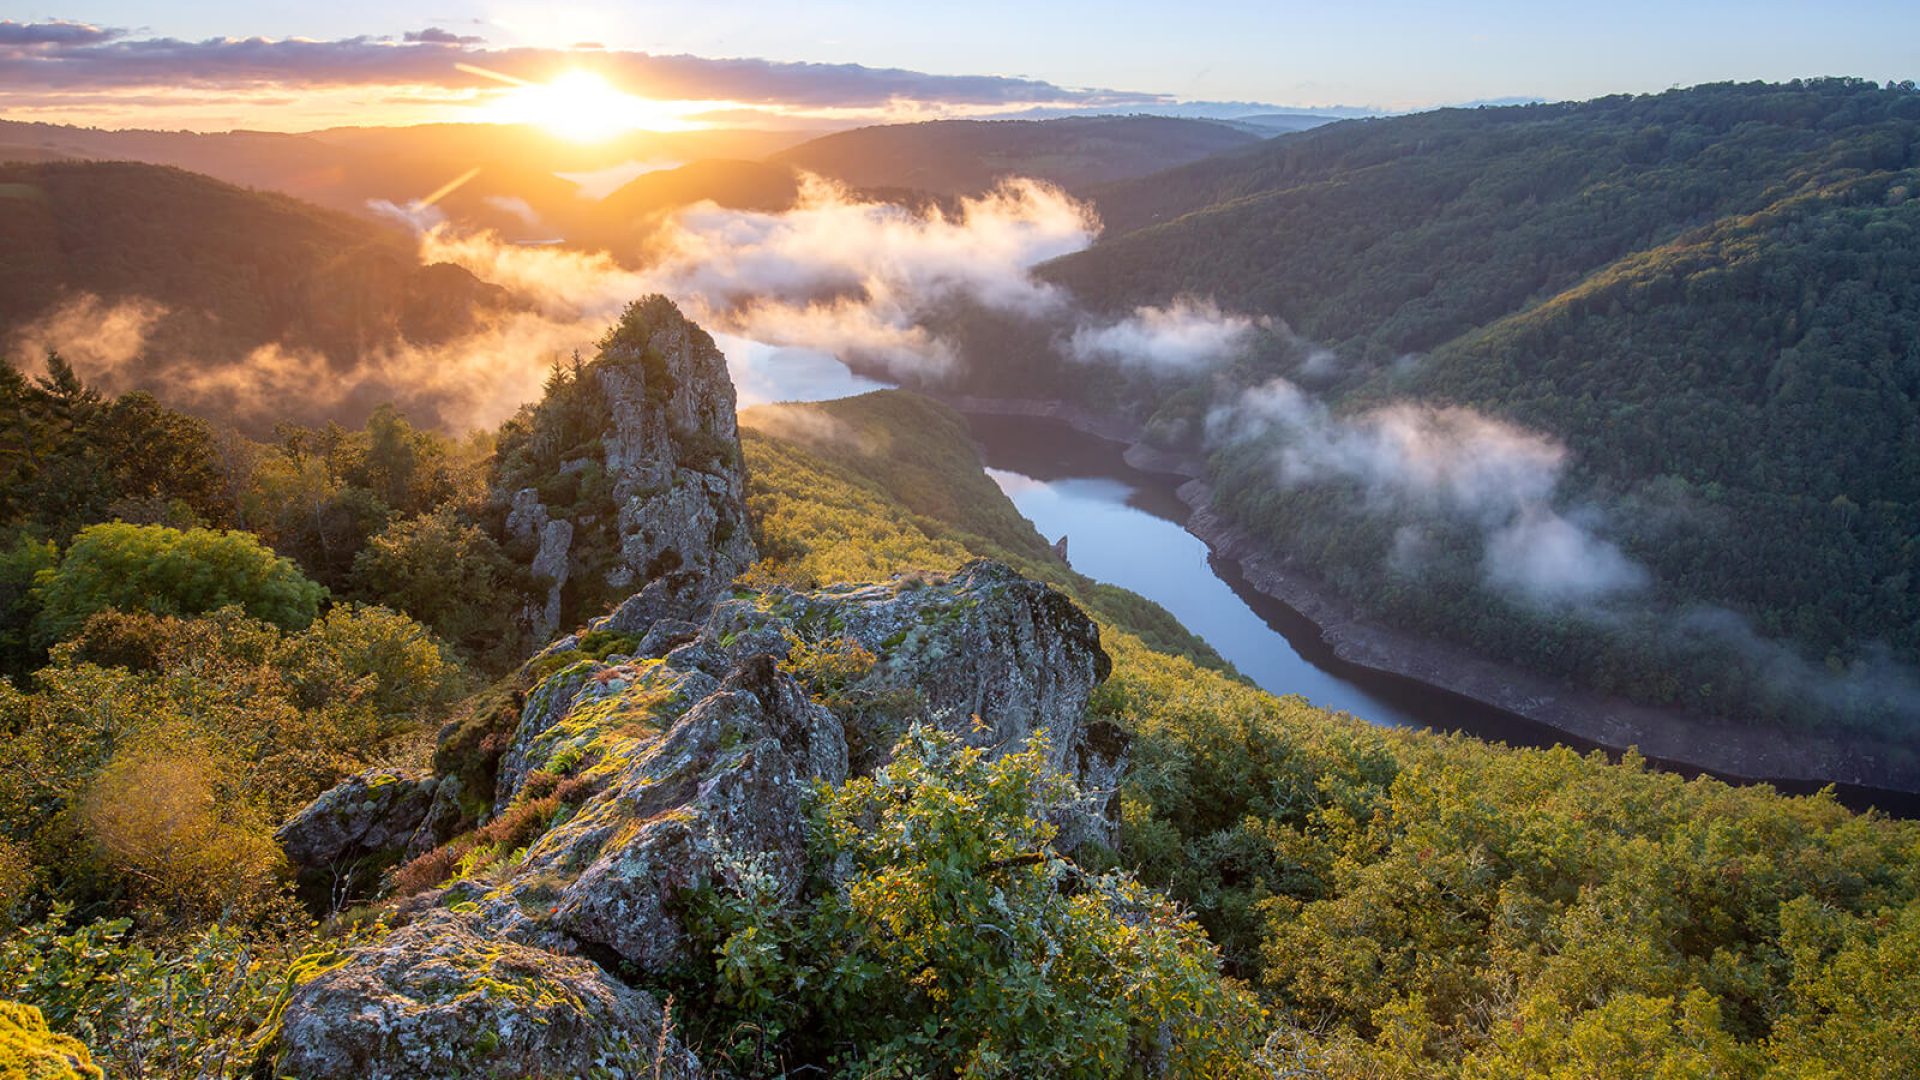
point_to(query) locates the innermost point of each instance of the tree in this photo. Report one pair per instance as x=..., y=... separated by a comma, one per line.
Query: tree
x=20, y=568
x=168, y=571
x=446, y=573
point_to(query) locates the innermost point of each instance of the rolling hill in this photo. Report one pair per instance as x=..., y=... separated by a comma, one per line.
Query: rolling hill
x=518, y=189
x=1710, y=295
x=955, y=157
x=223, y=270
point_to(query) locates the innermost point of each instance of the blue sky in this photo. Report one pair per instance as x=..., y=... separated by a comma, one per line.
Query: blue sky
x=1387, y=55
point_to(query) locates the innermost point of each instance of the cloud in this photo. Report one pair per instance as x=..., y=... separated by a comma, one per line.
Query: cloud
x=1188, y=335
x=798, y=423
x=1448, y=472
x=474, y=381
x=1875, y=685
x=57, y=33
x=92, y=334
x=414, y=214
x=433, y=35
x=597, y=184
x=838, y=273
x=1543, y=555
x=59, y=55
x=1442, y=464
x=838, y=276
x=515, y=206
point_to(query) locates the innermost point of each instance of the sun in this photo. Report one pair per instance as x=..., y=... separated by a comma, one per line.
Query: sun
x=583, y=107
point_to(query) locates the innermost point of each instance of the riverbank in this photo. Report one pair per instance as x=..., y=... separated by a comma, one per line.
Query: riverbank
x=1671, y=736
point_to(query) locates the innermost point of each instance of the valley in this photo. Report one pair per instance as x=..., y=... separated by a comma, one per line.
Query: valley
x=561, y=555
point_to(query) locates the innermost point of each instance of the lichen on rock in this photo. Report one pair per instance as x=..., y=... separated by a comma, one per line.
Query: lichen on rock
x=627, y=478
x=693, y=773
x=443, y=997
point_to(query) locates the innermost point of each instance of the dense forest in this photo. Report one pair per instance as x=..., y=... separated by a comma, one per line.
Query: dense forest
x=966, y=157
x=1710, y=296
x=214, y=272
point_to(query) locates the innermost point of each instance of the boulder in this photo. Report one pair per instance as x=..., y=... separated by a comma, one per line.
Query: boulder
x=375, y=811
x=718, y=802
x=986, y=654
x=444, y=997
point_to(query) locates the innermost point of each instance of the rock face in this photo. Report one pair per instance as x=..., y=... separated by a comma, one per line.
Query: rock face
x=694, y=755
x=378, y=811
x=440, y=998
x=628, y=477
x=987, y=655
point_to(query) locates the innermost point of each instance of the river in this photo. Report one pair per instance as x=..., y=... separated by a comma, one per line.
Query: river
x=1126, y=527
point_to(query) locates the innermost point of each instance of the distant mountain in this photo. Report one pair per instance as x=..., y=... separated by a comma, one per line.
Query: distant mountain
x=515, y=185
x=228, y=269
x=952, y=157
x=1711, y=295
x=1269, y=124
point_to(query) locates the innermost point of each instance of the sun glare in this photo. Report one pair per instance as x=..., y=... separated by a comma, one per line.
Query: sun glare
x=584, y=107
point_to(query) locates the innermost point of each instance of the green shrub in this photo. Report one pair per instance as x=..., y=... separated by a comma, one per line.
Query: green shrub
x=955, y=941
x=198, y=1006
x=446, y=573
x=167, y=571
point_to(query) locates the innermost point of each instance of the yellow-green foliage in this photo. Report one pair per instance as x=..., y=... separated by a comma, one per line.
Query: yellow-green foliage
x=152, y=758
x=1410, y=904
x=889, y=482
x=198, y=1004
x=1435, y=906
x=818, y=525
x=28, y=1051
x=169, y=571
x=958, y=943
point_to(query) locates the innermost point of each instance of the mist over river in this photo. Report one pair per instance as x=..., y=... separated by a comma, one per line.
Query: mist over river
x=1127, y=527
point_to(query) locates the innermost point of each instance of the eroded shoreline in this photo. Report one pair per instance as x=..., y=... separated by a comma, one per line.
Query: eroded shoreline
x=1670, y=736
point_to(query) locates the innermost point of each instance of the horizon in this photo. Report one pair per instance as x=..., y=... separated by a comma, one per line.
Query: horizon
x=590, y=74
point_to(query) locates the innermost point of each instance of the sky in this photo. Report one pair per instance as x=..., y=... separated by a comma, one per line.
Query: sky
x=210, y=64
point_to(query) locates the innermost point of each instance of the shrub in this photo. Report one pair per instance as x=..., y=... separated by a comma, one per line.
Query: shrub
x=957, y=942
x=171, y=828
x=201, y=1005
x=444, y=572
x=166, y=571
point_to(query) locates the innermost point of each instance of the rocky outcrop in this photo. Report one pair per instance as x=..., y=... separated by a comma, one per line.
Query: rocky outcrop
x=443, y=997
x=628, y=478
x=378, y=811
x=695, y=755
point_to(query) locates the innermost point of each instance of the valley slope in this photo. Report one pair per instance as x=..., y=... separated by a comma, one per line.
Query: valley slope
x=1709, y=295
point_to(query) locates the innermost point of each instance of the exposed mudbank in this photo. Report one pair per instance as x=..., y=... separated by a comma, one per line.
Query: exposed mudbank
x=1672, y=737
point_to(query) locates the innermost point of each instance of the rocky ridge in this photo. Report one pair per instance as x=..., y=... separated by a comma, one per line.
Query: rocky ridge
x=628, y=475
x=677, y=765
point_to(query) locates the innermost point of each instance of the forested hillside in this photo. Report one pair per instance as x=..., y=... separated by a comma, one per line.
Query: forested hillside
x=1709, y=295
x=963, y=157
x=216, y=271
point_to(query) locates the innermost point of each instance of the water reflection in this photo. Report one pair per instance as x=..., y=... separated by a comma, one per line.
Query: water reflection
x=1110, y=539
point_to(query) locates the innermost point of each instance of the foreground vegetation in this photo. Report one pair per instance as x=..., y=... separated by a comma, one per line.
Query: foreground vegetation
x=1294, y=892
